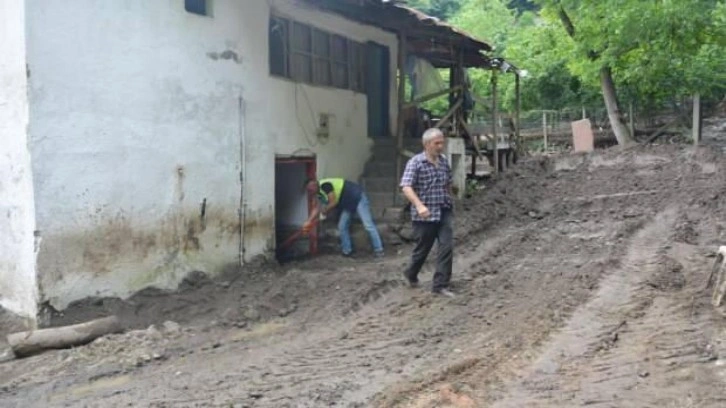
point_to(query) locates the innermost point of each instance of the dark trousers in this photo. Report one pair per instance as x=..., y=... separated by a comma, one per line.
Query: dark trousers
x=426, y=233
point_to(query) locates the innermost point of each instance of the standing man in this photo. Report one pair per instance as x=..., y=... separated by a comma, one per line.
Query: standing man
x=427, y=184
x=350, y=198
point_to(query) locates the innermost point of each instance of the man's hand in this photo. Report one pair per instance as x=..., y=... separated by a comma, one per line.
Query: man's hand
x=423, y=211
x=307, y=227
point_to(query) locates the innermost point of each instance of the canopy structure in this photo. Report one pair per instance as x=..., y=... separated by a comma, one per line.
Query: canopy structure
x=427, y=37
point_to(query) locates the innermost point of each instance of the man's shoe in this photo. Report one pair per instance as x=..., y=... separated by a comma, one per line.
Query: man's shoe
x=444, y=292
x=411, y=282
x=379, y=255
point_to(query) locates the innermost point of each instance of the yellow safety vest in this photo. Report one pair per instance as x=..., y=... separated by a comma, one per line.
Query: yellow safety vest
x=337, y=184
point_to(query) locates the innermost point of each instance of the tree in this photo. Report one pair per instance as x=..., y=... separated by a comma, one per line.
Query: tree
x=648, y=45
x=442, y=9
x=523, y=5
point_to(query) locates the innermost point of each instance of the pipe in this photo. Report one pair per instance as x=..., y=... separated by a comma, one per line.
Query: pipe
x=242, y=131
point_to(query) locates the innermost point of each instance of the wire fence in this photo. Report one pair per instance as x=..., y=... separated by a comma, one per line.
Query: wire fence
x=550, y=129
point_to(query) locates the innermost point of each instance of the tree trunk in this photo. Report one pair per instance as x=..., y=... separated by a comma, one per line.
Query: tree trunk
x=31, y=342
x=622, y=133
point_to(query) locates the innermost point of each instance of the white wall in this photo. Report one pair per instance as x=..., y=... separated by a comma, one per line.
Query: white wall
x=17, y=258
x=135, y=121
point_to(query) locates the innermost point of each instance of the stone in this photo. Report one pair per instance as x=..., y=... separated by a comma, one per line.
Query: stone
x=171, y=327
x=252, y=314
x=6, y=354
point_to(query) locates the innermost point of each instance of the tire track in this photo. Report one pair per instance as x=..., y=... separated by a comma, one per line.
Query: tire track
x=629, y=345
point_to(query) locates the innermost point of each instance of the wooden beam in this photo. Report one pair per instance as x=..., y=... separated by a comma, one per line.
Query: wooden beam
x=697, y=118
x=401, y=97
x=494, y=123
x=478, y=99
x=474, y=140
x=425, y=98
x=449, y=114
x=406, y=153
x=517, y=110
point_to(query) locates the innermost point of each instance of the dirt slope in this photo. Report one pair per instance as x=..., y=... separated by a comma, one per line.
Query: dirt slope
x=578, y=281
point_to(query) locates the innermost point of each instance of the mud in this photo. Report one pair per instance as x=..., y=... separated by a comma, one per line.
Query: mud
x=579, y=282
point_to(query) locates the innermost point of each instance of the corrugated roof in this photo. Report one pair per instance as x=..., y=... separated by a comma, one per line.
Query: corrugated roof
x=431, y=20
x=428, y=37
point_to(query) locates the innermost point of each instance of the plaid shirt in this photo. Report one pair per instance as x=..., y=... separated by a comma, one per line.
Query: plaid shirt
x=431, y=184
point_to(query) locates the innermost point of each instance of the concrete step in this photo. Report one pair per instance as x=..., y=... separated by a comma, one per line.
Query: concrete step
x=380, y=199
x=392, y=141
x=380, y=184
x=380, y=169
x=387, y=152
x=393, y=215
x=378, y=212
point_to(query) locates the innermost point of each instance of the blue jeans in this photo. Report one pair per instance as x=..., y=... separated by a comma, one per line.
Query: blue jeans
x=364, y=212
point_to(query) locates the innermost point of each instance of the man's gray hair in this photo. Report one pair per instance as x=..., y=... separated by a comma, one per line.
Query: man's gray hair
x=431, y=134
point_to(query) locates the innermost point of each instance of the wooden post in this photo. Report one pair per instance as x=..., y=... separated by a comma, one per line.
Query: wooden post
x=494, y=122
x=401, y=97
x=517, y=110
x=697, y=120
x=544, y=129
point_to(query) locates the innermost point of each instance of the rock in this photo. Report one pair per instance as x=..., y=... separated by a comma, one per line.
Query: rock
x=286, y=311
x=252, y=314
x=406, y=233
x=171, y=327
x=230, y=314
x=643, y=374
x=153, y=333
x=6, y=354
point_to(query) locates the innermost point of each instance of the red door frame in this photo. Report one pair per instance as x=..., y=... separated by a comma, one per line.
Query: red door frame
x=311, y=171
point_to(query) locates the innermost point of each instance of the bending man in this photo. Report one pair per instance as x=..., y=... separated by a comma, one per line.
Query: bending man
x=350, y=198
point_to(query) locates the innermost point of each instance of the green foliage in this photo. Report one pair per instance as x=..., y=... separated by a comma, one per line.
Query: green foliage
x=659, y=50
x=442, y=9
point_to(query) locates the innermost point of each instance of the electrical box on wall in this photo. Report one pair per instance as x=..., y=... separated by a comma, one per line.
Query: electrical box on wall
x=323, y=126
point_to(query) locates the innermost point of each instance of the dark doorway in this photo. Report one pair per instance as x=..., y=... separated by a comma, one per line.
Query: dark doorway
x=293, y=205
x=378, y=85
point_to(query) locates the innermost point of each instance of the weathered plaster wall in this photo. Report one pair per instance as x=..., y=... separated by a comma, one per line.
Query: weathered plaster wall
x=17, y=221
x=140, y=113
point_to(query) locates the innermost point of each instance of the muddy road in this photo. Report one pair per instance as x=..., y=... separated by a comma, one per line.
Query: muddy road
x=579, y=282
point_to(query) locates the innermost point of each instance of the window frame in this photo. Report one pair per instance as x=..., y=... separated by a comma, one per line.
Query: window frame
x=208, y=8
x=321, y=58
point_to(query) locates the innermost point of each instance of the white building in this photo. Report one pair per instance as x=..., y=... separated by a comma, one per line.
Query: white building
x=139, y=139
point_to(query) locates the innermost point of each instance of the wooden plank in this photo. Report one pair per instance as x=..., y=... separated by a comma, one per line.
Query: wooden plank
x=697, y=122
x=449, y=114
x=425, y=98
x=401, y=96
x=517, y=108
x=494, y=122
x=474, y=140
x=406, y=153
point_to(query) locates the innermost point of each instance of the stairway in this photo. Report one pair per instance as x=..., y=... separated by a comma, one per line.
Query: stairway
x=379, y=180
